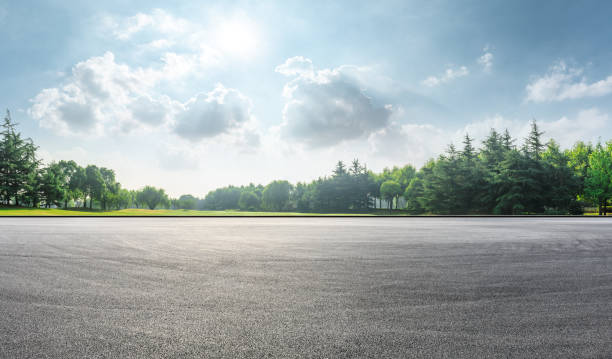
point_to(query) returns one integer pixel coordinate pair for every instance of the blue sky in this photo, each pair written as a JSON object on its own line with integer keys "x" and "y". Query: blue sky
{"x": 203, "y": 94}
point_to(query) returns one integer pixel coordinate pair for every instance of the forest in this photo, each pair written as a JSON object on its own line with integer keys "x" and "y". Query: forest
{"x": 500, "y": 176}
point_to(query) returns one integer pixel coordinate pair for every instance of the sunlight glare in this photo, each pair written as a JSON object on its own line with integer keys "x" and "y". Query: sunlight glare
{"x": 238, "y": 37}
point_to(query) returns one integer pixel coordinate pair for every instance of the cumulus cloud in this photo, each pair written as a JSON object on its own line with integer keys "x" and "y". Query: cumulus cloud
{"x": 100, "y": 92}
{"x": 220, "y": 111}
{"x": 563, "y": 83}
{"x": 448, "y": 75}
{"x": 329, "y": 106}
{"x": 486, "y": 60}
{"x": 102, "y": 95}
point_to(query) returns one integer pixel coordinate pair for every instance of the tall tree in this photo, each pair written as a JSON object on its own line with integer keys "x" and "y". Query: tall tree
{"x": 94, "y": 184}
{"x": 560, "y": 181}
{"x": 109, "y": 187}
{"x": 533, "y": 144}
{"x": 18, "y": 164}
{"x": 69, "y": 170}
{"x": 598, "y": 183}
{"x": 276, "y": 195}
{"x": 390, "y": 190}
{"x": 53, "y": 185}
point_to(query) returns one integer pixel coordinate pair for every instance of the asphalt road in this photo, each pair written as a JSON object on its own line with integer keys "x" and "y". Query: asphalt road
{"x": 305, "y": 287}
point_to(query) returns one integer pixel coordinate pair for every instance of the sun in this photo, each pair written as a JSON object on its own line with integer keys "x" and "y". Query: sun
{"x": 238, "y": 37}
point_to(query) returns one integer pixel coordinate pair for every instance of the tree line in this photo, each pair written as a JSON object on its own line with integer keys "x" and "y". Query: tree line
{"x": 498, "y": 177}
{"x": 25, "y": 182}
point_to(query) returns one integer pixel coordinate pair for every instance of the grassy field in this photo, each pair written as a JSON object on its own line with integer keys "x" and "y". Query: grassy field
{"x": 155, "y": 212}
{"x": 24, "y": 211}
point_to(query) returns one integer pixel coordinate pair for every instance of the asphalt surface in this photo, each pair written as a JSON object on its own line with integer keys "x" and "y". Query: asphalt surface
{"x": 305, "y": 287}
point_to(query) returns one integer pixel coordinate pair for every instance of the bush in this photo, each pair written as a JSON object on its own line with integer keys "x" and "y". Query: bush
{"x": 576, "y": 208}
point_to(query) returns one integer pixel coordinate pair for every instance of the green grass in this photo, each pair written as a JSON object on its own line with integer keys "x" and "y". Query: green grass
{"x": 43, "y": 212}
{"x": 147, "y": 212}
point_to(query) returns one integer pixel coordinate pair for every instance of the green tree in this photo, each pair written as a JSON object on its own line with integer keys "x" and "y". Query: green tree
{"x": 276, "y": 195}
{"x": 389, "y": 191}
{"x": 18, "y": 165}
{"x": 533, "y": 144}
{"x": 187, "y": 201}
{"x": 598, "y": 183}
{"x": 94, "y": 184}
{"x": 578, "y": 159}
{"x": 120, "y": 199}
{"x": 53, "y": 186}
{"x": 249, "y": 201}
{"x": 152, "y": 197}
{"x": 69, "y": 171}
{"x": 414, "y": 195}
{"x": 109, "y": 187}
{"x": 561, "y": 183}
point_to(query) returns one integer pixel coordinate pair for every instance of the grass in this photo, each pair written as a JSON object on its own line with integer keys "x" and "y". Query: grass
{"x": 22, "y": 211}
{"x": 44, "y": 212}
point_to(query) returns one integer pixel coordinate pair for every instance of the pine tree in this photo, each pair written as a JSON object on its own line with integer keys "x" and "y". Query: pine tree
{"x": 18, "y": 165}
{"x": 533, "y": 143}
{"x": 468, "y": 150}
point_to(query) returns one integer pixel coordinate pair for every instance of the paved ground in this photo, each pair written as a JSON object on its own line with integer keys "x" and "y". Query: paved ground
{"x": 305, "y": 287}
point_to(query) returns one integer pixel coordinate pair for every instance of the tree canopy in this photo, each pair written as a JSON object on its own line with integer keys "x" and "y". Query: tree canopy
{"x": 501, "y": 176}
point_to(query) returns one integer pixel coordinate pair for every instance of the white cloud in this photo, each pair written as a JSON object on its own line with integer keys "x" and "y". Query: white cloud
{"x": 563, "y": 83}
{"x": 329, "y": 106}
{"x": 102, "y": 96}
{"x": 296, "y": 66}
{"x": 587, "y": 125}
{"x": 221, "y": 111}
{"x": 448, "y": 75}
{"x": 486, "y": 60}
{"x": 101, "y": 93}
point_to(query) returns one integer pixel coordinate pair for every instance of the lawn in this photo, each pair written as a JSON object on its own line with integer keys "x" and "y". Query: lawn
{"x": 149, "y": 212}
{"x": 130, "y": 212}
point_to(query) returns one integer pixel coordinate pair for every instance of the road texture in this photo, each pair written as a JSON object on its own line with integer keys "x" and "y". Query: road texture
{"x": 305, "y": 287}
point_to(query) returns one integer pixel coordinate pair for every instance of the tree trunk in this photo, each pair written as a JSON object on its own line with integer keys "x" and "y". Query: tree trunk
{"x": 599, "y": 212}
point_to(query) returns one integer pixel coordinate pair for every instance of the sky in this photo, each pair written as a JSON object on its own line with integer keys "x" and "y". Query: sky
{"x": 190, "y": 96}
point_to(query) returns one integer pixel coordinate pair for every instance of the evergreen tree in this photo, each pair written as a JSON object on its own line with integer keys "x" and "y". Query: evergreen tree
{"x": 533, "y": 143}
{"x": 18, "y": 165}
{"x": 561, "y": 182}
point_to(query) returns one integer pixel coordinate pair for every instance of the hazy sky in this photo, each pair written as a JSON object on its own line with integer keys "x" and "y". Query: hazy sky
{"x": 204, "y": 94}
